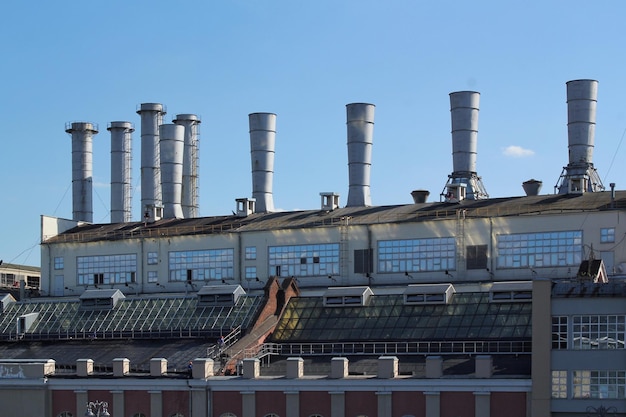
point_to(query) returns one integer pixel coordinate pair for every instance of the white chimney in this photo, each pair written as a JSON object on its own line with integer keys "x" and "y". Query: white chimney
{"x": 121, "y": 157}
{"x": 262, "y": 141}
{"x": 172, "y": 148}
{"x": 190, "y": 195}
{"x": 360, "y": 123}
{"x": 82, "y": 169}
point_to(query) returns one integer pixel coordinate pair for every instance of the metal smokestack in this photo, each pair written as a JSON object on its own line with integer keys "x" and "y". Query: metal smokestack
{"x": 262, "y": 141}
{"x": 579, "y": 175}
{"x": 151, "y": 117}
{"x": 360, "y": 123}
{"x": 464, "y": 183}
{"x": 190, "y": 195}
{"x": 121, "y": 157}
{"x": 82, "y": 169}
{"x": 172, "y": 148}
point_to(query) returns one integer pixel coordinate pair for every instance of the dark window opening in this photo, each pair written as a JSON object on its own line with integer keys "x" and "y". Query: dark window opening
{"x": 477, "y": 257}
{"x": 363, "y": 261}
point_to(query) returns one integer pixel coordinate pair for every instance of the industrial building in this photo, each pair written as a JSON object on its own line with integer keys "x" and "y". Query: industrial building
{"x": 466, "y": 306}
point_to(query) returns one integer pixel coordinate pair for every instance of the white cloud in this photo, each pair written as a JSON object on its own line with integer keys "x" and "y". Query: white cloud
{"x": 517, "y": 151}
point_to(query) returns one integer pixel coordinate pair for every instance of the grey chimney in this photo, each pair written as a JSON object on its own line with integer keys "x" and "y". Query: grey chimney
{"x": 151, "y": 117}
{"x": 580, "y": 176}
{"x": 172, "y": 149}
{"x": 121, "y": 157}
{"x": 82, "y": 169}
{"x": 190, "y": 192}
{"x": 464, "y": 182}
{"x": 360, "y": 124}
{"x": 262, "y": 142}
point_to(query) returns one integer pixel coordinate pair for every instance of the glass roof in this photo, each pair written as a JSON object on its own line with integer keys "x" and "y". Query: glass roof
{"x": 469, "y": 316}
{"x": 132, "y": 317}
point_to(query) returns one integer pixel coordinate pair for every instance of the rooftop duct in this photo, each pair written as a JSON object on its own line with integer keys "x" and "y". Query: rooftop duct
{"x": 464, "y": 183}
{"x": 82, "y": 169}
{"x": 262, "y": 142}
{"x": 151, "y": 117}
{"x": 532, "y": 187}
{"x": 420, "y": 196}
{"x": 189, "y": 201}
{"x": 172, "y": 149}
{"x": 121, "y": 158}
{"x": 360, "y": 123}
{"x": 580, "y": 176}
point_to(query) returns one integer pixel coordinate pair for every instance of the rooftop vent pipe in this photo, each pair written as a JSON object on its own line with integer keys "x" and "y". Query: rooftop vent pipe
{"x": 189, "y": 202}
{"x": 464, "y": 183}
{"x": 121, "y": 158}
{"x": 420, "y": 196}
{"x": 151, "y": 117}
{"x": 580, "y": 176}
{"x": 262, "y": 141}
{"x": 172, "y": 148}
{"x": 82, "y": 169}
{"x": 532, "y": 187}
{"x": 360, "y": 123}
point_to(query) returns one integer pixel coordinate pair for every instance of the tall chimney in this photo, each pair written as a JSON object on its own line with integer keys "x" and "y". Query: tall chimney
{"x": 121, "y": 157}
{"x": 172, "y": 148}
{"x": 82, "y": 169}
{"x": 190, "y": 195}
{"x": 360, "y": 123}
{"x": 151, "y": 117}
{"x": 579, "y": 175}
{"x": 464, "y": 183}
{"x": 262, "y": 141}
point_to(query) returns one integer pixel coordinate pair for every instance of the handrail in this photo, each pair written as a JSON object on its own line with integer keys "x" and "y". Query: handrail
{"x": 403, "y": 348}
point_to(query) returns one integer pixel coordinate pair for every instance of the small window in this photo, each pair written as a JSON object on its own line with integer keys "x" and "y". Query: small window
{"x": 58, "y": 262}
{"x": 250, "y": 272}
{"x": 250, "y": 253}
{"x": 153, "y": 258}
{"x": 559, "y": 384}
{"x": 153, "y": 276}
{"x": 65, "y": 414}
{"x": 607, "y": 235}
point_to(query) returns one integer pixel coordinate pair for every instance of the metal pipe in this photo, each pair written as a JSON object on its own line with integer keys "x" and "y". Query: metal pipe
{"x": 360, "y": 125}
{"x": 464, "y": 106}
{"x": 121, "y": 158}
{"x": 82, "y": 169}
{"x": 151, "y": 117}
{"x": 262, "y": 142}
{"x": 172, "y": 149}
{"x": 190, "y": 191}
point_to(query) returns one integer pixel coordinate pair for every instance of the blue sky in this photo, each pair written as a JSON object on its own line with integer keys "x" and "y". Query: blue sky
{"x": 98, "y": 60}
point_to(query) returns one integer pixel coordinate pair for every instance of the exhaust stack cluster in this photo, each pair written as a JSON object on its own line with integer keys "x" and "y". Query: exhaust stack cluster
{"x": 169, "y": 159}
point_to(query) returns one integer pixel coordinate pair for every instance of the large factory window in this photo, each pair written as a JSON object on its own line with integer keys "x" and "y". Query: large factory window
{"x": 106, "y": 269}
{"x": 549, "y": 249}
{"x": 304, "y": 260}
{"x": 201, "y": 265}
{"x": 417, "y": 255}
